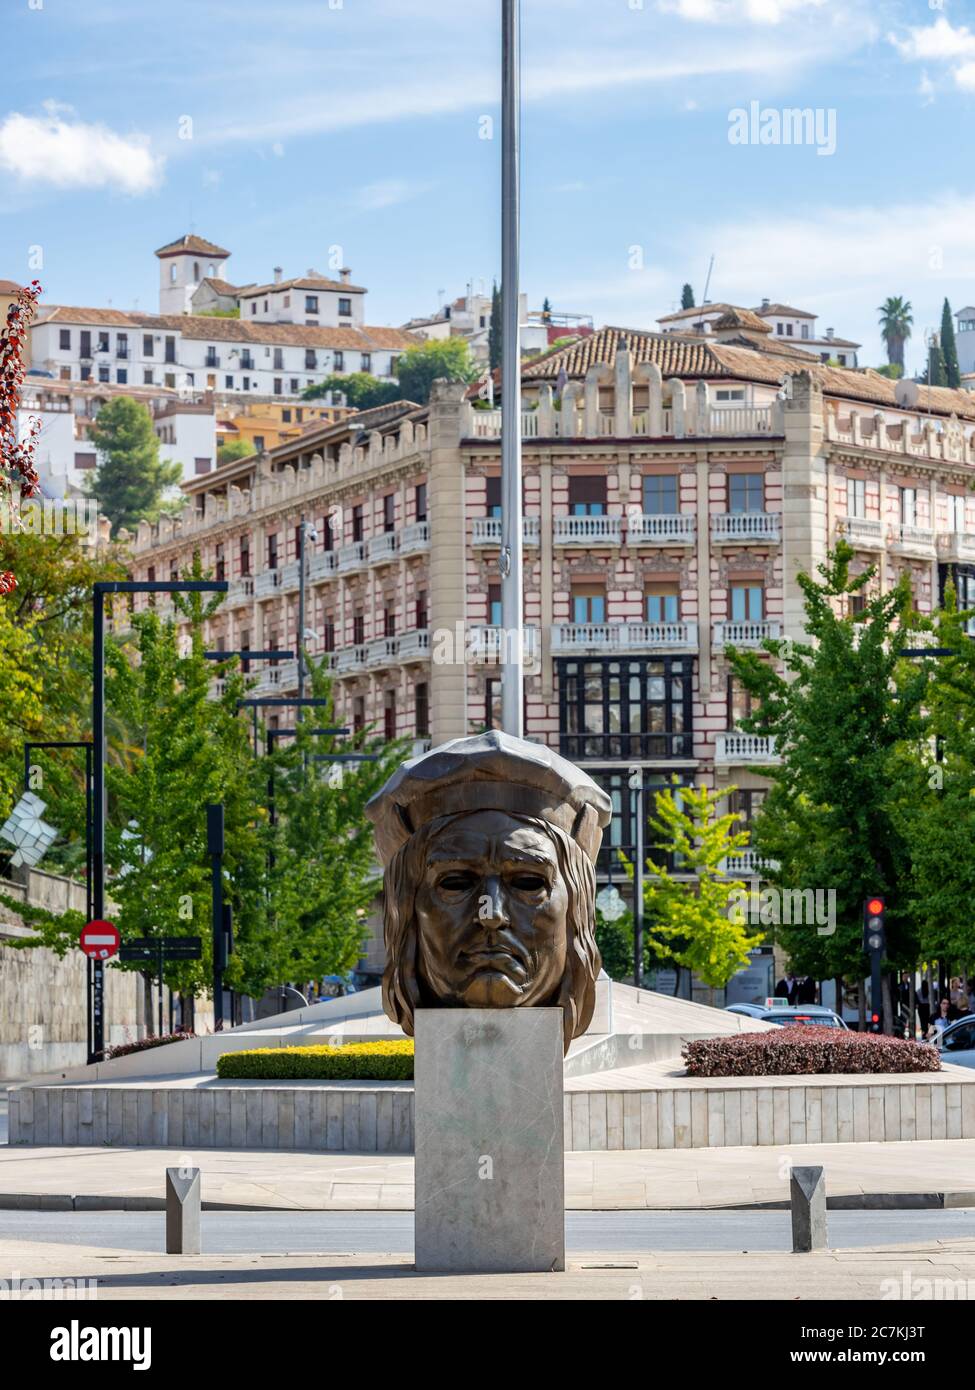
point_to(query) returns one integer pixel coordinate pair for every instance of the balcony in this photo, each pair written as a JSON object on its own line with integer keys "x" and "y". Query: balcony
{"x": 382, "y": 548}
{"x": 740, "y": 419}
{"x": 322, "y": 566}
{"x": 211, "y": 360}
{"x": 414, "y": 645}
{"x": 240, "y": 592}
{"x": 349, "y": 661}
{"x": 587, "y": 530}
{"x": 751, "y": 633}
{"x": 660, "y": 529}
{"x": 957, "y": 545}
{"x": 351, "y": 557}
{"x": 742, "y": 750}
{"x": 863, "y": 533}
{"x": 414, "y": 538}
{"x": 381, "y": 652}
{"x": 913, "y": 540}
{"x": 421, "y": 746}
{"x": 267, "y": 584}
{"x": 746, "y": 861}
{"x": 569, "y": 639}
{"x": 490, "y": 645}
{"x": 289, "y": 576}
{"x": 745, "y": 528}
{"x": 487, "y": 530}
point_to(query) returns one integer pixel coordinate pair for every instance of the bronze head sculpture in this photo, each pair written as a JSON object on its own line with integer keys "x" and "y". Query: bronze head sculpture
{"x": 489, "y": 846}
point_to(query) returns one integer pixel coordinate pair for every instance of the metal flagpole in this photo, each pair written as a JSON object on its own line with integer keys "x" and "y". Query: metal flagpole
{"x": 512, "y": 700}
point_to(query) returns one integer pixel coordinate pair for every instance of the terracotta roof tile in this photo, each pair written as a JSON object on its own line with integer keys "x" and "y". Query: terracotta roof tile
{"x": 222, "y": 330}
{"x": 740, "y": 318}
{"x": 306, "y": 282}
{"x": 784, "y": 309}
{"x": 192, "y": 243}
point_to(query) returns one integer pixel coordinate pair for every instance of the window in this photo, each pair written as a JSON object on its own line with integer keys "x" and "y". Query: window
{"x": 103, "y": 342}
{"x": 228, "y": 382}
{"x": 278, "y": 360}
{"x": 245, "y": 556}
{"x": 104, "y": 373}
{"x": 357, "y": 523}
{"x": 805, "y": 330}
{"x": 202, "y": 465}
{"x": 311, "y": 303}
{"x": 338, "y": 361}
{"x": 730, "y": 394}
{"x": 345, "y": 309}
{"x": 662, "y": 603}
{"x": 220, "y": 566}
{"x": 64, "y": 340}
{"x": 856, "y": 497}
{"x": 278, "y": 384}
{"x": 311, "y": 359}
{"x": 294, "y": 386}
{"x": 122, "y": 345}
{"x": 253, "y": 306}
{"x": 635, "y": 707}
{"x": 86, "y": 374}
{"x": 327, "y": 530}
{"x": 169, "y": 380}
{"x": 265, "y": 306}
{"x": 147, "y": 376}
{"x": 494, "y": 605}
{"x": 660, "y": 495}
{"x": 493, "y": 496}
{"x": 740, "y": 703}
{"x": 908, "y": 501}
{"x": 745, "y": 804}
{"x": 421, "y": 706}
{"x": 358, "y": 628}
{"x": 588, "y": 604}
{"x": 366, "y": 362}
{"x": 285, "y": 415}
{"x": 389, "y": 619}
{"x": 85, "y": 460}
{"x": 389, "y": 512}
{"x": 746, "y": 492}
{"x": 359, "y": 713}
{"x": 272, "y": 552}
{"x": 422, "y": 616}
{"x": 420, "y": 501}
{"x": 247, "y": 383}
{"x": 286, "y": 302}
{"x": 328, "y": 634}
{"x": 858, "y": 603}
{"x": 747, "y": 603}
{"x": 956, "y": 514}
{"x": 170, "y": 353}
{"x": 492, "y": 703}
{"x": 122, "y": 375}
{"x": 258, "y": 444}
{"x": 587, "y": 495}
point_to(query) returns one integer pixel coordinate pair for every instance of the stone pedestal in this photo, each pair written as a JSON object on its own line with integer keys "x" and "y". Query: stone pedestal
{"x": 490, "y": 1178}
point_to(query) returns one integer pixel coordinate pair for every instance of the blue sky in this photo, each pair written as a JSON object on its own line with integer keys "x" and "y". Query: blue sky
{"x": 356, "y": 123}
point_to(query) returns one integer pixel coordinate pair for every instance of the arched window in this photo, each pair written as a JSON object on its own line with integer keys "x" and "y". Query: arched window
{"x": 196, "y": 270}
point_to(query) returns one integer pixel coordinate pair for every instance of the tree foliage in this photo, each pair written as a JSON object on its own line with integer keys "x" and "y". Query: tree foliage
{"x": 419, "y": 367}
{"x": 949, "y": 348}
{"x": 687, "y": 297}
{"x": 362, "y": 390}
{"x": 130, "y": 480}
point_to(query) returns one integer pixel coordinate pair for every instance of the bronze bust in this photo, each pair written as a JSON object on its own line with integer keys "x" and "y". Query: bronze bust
{"x": 489, "y": 846}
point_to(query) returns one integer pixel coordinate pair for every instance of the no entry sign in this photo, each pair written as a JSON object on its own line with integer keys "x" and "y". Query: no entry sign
{"x": 99, "y": 940}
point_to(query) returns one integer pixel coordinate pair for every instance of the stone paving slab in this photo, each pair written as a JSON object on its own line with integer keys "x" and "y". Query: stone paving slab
{"x": 862, "y": 1275}
{"x": 923, "y": 1172}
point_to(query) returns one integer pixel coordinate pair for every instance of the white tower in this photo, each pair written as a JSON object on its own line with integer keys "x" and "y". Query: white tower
{"x": 182, "y": 265}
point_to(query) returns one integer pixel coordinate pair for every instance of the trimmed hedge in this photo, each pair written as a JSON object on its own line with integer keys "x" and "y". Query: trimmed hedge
{"x": 372, "y": 1061}
{"x": 801, "y": 1049}
{"x": 160, "y": 1040}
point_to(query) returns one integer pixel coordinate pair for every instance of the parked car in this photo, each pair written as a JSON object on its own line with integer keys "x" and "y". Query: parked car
{"x": 807, "y": 1014}
{"x": 957, "y": 1043}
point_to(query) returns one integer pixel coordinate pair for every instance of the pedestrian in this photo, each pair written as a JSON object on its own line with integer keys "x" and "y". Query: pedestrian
{"x": 942, "y": 1018}
{"x": 923, "y": 1001}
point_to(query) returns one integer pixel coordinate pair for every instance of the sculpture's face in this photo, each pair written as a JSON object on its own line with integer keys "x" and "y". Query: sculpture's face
{"x": 491, "y": 912}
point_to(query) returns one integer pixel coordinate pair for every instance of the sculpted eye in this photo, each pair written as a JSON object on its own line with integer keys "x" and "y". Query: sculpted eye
{"x": 529, "y": 883}
{"x": 457, "y": 881}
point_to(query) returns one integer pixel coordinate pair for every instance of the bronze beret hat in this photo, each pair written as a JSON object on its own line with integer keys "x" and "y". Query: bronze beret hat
{"x": 490, "y": 771}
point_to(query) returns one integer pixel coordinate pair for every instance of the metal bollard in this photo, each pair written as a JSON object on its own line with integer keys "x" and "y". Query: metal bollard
{"x": 808, "y": 1192}
{"x": 182, "y": 1211}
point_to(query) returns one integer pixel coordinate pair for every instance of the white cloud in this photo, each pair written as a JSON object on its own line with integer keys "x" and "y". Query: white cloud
{"x": 965, "y": 77}
{"x": 387, "y": 193}
{"x": 938, "y": 42}
{"x": 737, "y": 11}
{"x": 70, "y": 154}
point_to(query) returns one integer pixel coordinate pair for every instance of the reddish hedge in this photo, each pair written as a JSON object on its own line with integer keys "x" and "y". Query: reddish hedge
{"x": 157, "y": 1040}
{"x": 801, "y": 1049}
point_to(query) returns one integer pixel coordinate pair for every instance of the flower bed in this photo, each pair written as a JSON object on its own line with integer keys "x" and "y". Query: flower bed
{"x": 124, "y": 1049}
{"x": 800, "y": 1050}
{"x": 373, "y": 1061}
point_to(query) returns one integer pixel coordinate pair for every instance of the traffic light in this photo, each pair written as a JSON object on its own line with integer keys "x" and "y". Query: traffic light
{"x": 874, "y": 932}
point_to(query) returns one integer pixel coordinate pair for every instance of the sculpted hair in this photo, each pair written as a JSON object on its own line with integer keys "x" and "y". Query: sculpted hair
{"x": 577, "y": 991}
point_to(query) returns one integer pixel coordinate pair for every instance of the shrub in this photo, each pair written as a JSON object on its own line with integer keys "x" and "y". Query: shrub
{"x": 143, "y": 1044}
{"x": 372, "y": 1061}
{"x": 807, "y": 1050}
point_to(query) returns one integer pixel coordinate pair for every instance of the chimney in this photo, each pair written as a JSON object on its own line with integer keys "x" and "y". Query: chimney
{"x": 345, "y": 274}
{"x": 829, "y": 332}
{"x": 278, "y": 274}
{"x": 766, "y": 303}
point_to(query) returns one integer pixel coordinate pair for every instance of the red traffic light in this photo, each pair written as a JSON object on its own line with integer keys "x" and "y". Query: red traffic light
{"x": 875, "y": 906}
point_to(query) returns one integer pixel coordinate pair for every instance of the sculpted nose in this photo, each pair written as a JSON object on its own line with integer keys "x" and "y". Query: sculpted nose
{"x": 491, "y": 910}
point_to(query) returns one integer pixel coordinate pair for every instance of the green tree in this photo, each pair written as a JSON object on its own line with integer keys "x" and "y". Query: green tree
{"x": 936, "y": 373}
{"x": 131, "y": 479}
{"x": 841, "y": 716}
{"x": 546, "y": 310}
{"x": 691, "y": 922}
{"x": 419, "y": 367}
{"x": 494, "y": 330}
{"x": 896, "y": 321}
{"x": 362, "y": 390}
{"x": 687, "y": 297}
{"x": 891, "y": 370}
{"x": 235, "y": 449}
{"x": 949, "y": 349}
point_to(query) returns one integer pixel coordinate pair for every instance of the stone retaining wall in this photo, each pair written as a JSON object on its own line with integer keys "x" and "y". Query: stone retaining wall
{"x": 353, "y": 1118}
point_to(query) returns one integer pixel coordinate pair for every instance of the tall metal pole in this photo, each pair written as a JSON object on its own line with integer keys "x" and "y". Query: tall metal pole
{"x": 638, "y": 890}
{"x": 301, "y": 611}
{"x": 512, "y": 700}
{"x": 215, "y": 849}
{"x": 97, "y": 1044}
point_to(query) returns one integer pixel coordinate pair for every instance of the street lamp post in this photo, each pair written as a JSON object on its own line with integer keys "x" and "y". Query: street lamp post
{"x": 510, "y": 560}
{"x": 306, "y": 531}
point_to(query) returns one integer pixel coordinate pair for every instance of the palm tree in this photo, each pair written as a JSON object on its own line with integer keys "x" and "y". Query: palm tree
{"x": 895, "y": 327}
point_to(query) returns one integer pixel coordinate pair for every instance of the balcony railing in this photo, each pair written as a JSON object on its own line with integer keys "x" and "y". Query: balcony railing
{"x": 749, "y": 633}
{"x": 739, "y": 750}
{"x": 741, "y": 419}
{"x": 570, "y": 638}
{"x": 381, "y": 652}
{"x": 651, "y": 528}
{"x": 957, "y": 545}
{"x": 289, "y": 576}
{"x": 268, "y": 582}
{"x": 382, "y": 548}
{"x": 322, "y": 566}
{"x": 414, "y": 645}
{"x": 914, "y": 540}
{"x": 241, "y": 591}
{"x": 491, "y": 644}
{"x": 350, "y": 557}
{"x": 487, "y": 530}
{"x": 746, "y": 861}
{"x": 414, "y": 538}
{"x": 738, "y": 528}
{"x": 587, "y": 530}
{"x": 862, "y": 531}
{"x": 349, "y": 659}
